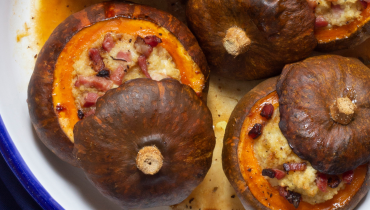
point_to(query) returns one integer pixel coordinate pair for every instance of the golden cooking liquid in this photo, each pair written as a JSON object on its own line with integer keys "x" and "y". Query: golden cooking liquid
{"x": 47, "y": 15}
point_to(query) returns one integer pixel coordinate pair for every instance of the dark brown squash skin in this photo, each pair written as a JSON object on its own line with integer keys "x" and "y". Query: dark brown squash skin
{"x": 40, "y": 104}
{"x": 231, "y": 141}
{"x": 281, "y": 32}
{"x": 140, "y": 113}
{"x": 306, "y": 91}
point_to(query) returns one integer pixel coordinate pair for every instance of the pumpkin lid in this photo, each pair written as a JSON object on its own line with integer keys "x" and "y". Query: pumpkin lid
{"x": 324, "y": 108}
{"x": 148, "y": 144}
{"x": 252, "y": 39}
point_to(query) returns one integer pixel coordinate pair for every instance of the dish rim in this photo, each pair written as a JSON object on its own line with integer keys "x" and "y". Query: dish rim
{"x": 24, "y": 175}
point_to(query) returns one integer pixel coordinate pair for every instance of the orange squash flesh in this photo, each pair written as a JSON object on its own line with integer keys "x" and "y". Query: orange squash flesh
{"x": 261, "y": 188}
{"x": 340, "y": 32}
{"x": 62, "y": 87}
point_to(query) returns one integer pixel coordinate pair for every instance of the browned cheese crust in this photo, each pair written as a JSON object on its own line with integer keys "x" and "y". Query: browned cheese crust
{"x": 306, "y": 92}
{"x": 40, "y": 104}
{"x": 230, "y": 162}
{"x": 139, "y": 113}
{"x": 280, "y": 32}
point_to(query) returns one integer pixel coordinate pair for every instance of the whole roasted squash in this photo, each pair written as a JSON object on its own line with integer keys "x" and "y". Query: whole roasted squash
{"x": 99, "y": 48}
{"x": 148, "y": 144}
{"x": 260, "y": 156}
{"x": 252, "y": 39}
{"x": 325, "y": 112}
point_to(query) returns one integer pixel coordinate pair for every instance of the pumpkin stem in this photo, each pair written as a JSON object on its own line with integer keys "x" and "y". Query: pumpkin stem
{"x": 342, "y": 110}
{"x": 236, "y": 41}
{"x": 149, "y": 160}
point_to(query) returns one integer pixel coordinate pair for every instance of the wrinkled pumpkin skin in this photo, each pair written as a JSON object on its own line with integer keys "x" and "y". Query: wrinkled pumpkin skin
{"x": 231, "y": 141}
{"x": 281, "y": 32}
{"x": 140, "y": 113}
{"x": 40, "y": 104}
{"x": 309, "y": 88}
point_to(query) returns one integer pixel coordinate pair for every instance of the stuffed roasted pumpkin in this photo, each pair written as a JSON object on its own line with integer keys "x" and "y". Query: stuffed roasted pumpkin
{"x": 262, "y": 158}
{"x": 100, "y": 48}
{"x": 148, "y": 144}
{"x": 254, "y": 39}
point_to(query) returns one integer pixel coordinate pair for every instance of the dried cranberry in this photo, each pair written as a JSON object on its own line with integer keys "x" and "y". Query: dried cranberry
{"x": 60, "y": 108}
{"x": 348, "y": 177}
{"x": 322, "y": 182}
{"x": 267, "y": 111}
{"x": 103, "y": 73}
{"x": 273, "y": 173}
{"x": 295, "y": 166}
{"x": 363, "y": 4}
{"x": 97, "y": 60}
{"x": 292, "y": 197}
{"x": 80, "y": 114}
{"x": 334, "y": 181}
{"x": 256, "y": 131}
{"x": 268, "y": 172}
{"x": 108, "y": 42}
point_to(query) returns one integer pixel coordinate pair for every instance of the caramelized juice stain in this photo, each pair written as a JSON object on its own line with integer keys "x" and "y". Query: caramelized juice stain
{"x": 49, "y": 14}
{"x": 23, "y": 33}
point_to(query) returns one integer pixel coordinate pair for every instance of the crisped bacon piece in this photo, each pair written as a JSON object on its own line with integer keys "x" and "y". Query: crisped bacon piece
{"x": 292, "y": 197}
{"x": 256, "y": 131}
{"x": 124, "y": 55}
{"x": 97, "y": 60}
{"x": 273, "y": 173}
{"x": 108, "y": 42}
{"x": 143, "y": 66}
{"x": 118, "y": 75}
{"x": 348, "y": 177}
{"x": 279, "y": 174}
{"x": 295, "y": 166}
{"x": 95, "y": 82}
{"x": 321, "y": 22}
{"x": 90, "y": 99}
{"x": 322, "y": 182}
{"x": 283, "y": 192}
{"x": 334, "y": 181}
{"x": 142, "y": 48}
{"x": 267, "y": 111}
{"x": 336, "y": 10}
{"x": 152, "y": 40}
